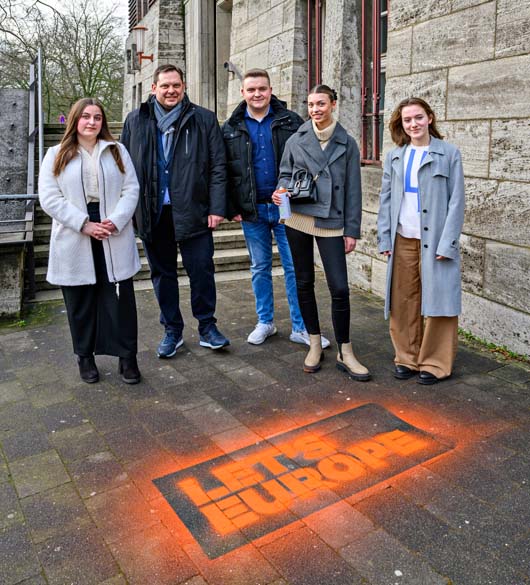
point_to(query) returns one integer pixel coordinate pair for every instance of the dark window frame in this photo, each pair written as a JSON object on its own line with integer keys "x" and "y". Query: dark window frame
{"x": 314, "y": 32}
{"x": 374, "y": 17}
{"x": 137, "y": 11}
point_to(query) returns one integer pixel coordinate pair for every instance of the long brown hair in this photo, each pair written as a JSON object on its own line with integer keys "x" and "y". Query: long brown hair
{"x": 399, "y": 136}
{"x": 68, "y": 148}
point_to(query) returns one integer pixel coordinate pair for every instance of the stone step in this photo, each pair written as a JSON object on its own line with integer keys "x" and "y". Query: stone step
{"x": 230, "y": 258}
{"x": 59, "y": 128}
{"x": 224, "y": 260}
{"x": 42, "y": 230}
{"x": 53, "y": 133}
{"x": 42, "y": 218}
{"x": 54, "y": 294}
{"x": 224, "y": 239}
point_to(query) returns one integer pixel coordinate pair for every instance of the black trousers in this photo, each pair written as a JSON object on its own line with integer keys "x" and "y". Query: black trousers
{"x": 100, "y": 322}
{"x": 334, "y": 262}
{"x": 197, "y": 259}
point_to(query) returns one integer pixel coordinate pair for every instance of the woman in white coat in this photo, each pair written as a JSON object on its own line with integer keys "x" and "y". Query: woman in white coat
{"x": 419, "y": 226}
{"x": 88, "y": 185}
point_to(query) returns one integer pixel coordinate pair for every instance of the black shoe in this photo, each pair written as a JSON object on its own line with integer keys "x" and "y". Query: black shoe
{"x": 128, "y": 369}
{"x": 404, "y": 373}
{"x": 428, "y": 379}
{"x": 88, "y": 369}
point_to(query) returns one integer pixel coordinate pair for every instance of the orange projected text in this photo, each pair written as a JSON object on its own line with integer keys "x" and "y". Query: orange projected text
{"x": 258, "y": 489}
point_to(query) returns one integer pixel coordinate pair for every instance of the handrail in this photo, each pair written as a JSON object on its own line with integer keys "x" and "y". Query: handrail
{"x": 19, "y": 197}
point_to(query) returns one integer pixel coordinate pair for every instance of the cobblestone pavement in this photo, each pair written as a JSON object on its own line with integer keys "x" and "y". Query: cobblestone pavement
{"x": 236, "y": 468}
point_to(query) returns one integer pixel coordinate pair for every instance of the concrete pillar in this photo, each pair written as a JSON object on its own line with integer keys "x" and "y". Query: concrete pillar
{"x": 342, "y": 60}
{"x": 14, "y": 105}
{"x": 223, "y": 26}
{"x": 200, "y": 52}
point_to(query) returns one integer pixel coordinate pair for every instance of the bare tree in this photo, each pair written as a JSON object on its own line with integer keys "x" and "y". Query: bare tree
{"x": 82, "y": 53}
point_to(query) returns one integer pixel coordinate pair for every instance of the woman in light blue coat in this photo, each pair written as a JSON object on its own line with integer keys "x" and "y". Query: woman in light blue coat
{"x": 419, "y": 225}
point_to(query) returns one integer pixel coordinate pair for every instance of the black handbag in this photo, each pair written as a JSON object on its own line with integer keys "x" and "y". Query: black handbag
{"x": 302, "y": 187}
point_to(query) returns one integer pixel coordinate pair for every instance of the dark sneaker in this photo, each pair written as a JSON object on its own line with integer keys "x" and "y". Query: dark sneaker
{"x": 169, "y": 345}
{"x": 213, "y": 339}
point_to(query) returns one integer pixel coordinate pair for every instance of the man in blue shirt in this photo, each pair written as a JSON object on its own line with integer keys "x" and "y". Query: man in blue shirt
{"x": 255, "y": 137}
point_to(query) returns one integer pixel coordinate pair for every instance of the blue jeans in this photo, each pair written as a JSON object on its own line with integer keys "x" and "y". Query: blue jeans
{"x": 258, "y": 236}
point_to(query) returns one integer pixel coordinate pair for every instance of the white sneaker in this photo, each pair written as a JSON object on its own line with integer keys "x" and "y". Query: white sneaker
{"x": 303, "y": 337}
{"x": 261, "y": 332}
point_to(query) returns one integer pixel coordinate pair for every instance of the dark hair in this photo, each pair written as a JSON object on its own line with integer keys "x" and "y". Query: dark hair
{"x": 166, "y": 69}
{"x": 256, "y": 73}
{"x": 399, "y": 136}
{"x": 69, "y": 144}
{"x": 321, "y": 88}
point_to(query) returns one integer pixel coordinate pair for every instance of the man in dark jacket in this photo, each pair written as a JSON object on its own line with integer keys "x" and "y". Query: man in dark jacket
{"x": 178, "y": 152}
{"x": 255, "y": 136}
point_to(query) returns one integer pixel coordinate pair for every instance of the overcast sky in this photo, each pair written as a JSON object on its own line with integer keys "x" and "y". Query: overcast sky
{"x": 121, "y": 8}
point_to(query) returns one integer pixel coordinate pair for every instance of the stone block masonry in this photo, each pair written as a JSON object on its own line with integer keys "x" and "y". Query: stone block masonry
{"x": 165, "y": 41}
{"x": 471, "y": 61}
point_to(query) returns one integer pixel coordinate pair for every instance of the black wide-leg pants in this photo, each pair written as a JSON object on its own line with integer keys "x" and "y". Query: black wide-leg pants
{"x": 101, "y": 322}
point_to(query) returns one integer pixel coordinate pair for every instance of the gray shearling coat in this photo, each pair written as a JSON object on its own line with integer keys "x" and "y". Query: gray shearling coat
{"x": 338, "y": 186}
{"x": 441, "y": 192}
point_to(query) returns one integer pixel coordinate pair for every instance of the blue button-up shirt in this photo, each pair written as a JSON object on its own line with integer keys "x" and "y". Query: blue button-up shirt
{"x": 262, "y": 155}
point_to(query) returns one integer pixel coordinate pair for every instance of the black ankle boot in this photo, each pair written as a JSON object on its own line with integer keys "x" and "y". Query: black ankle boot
{"x": 128, "y": 369}
{"x": 88, "y": 369}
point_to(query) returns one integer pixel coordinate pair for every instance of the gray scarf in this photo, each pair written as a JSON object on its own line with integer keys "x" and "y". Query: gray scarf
{"x": 166, "y": 124}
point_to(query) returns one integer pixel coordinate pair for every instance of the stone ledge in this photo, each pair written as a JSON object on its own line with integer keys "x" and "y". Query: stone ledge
{"x": 496, "y": 323}
{"x": 11, "y": 279}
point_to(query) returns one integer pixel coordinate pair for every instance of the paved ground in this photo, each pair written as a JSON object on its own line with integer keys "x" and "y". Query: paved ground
{"x": 237, "y": 468}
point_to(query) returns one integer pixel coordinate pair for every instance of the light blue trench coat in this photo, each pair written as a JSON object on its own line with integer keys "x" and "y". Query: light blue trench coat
{"x": 441, "y": 192}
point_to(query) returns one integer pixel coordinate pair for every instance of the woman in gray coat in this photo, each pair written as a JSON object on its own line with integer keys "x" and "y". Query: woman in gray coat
{"x": 324, "y": 149}
{"x": 419, "y": 225}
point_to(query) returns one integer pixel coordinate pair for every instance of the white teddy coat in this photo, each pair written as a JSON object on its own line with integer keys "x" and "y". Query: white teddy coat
{"x": 63, "y": 198}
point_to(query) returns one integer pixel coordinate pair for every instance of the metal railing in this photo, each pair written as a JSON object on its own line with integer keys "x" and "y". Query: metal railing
{"x": 36, "y": 119}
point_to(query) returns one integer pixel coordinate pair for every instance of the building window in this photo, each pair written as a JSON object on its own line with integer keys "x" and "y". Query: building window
{"x": 133, "y": 101}
{"x": 315, "y": 27}
{"x": 374, "y": 44}
{"x": 139, "y": 96}
{"x": 137, "y": 10}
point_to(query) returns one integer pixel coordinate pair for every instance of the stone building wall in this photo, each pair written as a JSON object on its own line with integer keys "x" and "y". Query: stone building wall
{"x": 270, "y": 34}
{"x": 164, "y": 39}
{"x": 471, "y": 61}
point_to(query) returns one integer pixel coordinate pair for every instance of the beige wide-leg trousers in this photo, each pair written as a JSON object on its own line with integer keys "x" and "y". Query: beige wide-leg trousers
{"x": 428, "y": 344}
